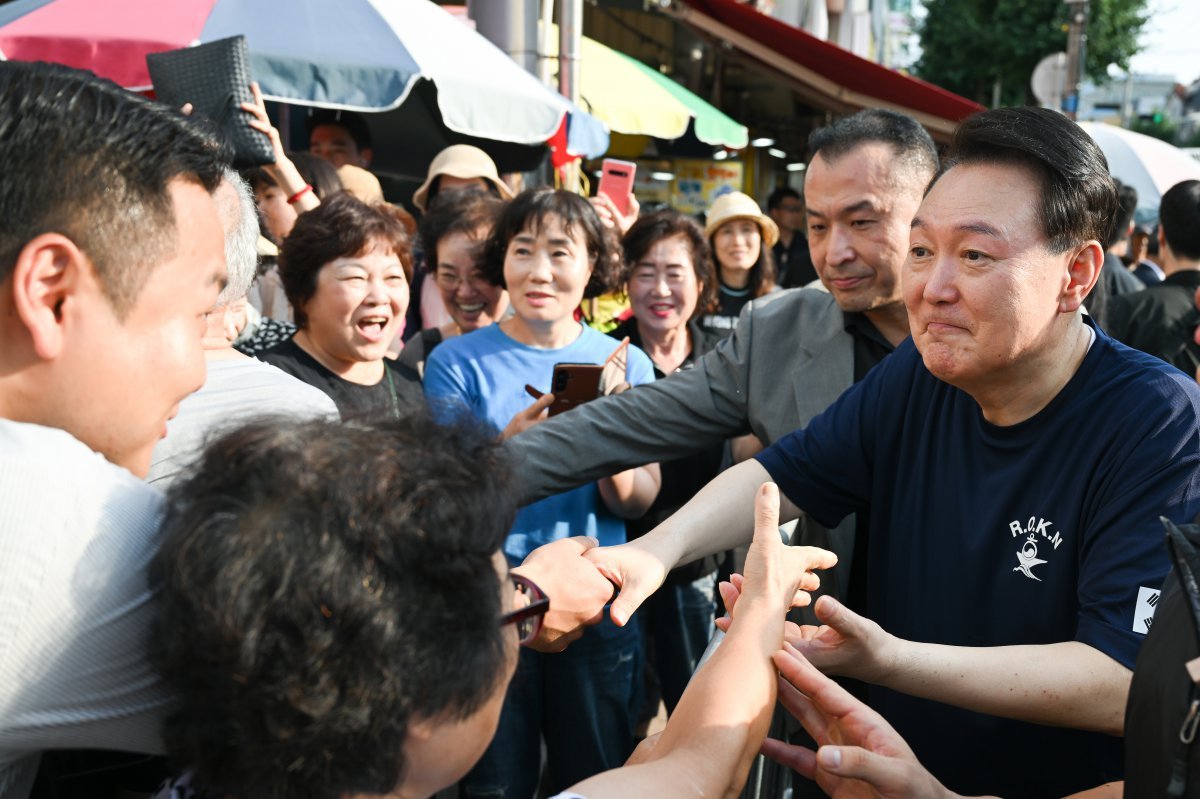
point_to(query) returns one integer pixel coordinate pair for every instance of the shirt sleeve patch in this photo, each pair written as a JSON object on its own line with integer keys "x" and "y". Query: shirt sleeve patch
{"x": 1143, "y": 615}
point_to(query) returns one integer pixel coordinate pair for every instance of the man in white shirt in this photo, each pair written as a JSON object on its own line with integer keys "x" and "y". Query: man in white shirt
{"x": 110, "y": 257}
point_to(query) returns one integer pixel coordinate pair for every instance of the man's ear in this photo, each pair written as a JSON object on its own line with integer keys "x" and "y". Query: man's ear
{"x": 48, "y": 271}
{"x": 1082, "y": 273}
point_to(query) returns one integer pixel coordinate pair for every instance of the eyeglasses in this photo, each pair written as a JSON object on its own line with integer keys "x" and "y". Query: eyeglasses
{"x": 451, "y": 281}
{"x": 529, "y": 617}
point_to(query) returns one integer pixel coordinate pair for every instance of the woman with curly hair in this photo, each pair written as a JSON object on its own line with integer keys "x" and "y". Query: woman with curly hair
{"x": 550, "y": 250}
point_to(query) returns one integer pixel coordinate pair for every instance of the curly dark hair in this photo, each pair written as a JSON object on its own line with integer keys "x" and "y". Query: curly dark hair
{"x": 324, "y": 584}
{"x": 529, "y": 210}
{"x": 653, "y": 228}
{"x": 339, "y": 227}
{"x": 456, "y": 212}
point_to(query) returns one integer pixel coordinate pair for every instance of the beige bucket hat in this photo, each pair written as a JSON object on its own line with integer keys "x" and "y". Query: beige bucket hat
{"x": 462, "y": 161}
{"x": 736, "y": 205}
{"x": 361, "y": 183}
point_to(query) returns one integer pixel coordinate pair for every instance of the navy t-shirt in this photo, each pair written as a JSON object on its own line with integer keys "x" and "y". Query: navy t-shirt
{"x": 1036, "y": 533}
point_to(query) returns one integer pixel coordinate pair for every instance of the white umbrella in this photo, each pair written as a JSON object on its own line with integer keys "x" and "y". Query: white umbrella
{"x": 1148, "y": 164}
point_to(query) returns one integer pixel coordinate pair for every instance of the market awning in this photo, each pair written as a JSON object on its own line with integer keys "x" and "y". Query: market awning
{"x": 822, "y": 73}
{"x": 632, "y": 98}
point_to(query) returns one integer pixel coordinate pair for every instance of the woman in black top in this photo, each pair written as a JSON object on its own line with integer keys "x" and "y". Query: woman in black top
{"x": 345, "y": 269}
{"x": 671, "y": 283}
{"x": 741, "y": 236}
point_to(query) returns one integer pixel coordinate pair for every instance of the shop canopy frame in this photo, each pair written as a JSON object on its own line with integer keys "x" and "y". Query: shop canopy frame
{"x": 822, "y": 73}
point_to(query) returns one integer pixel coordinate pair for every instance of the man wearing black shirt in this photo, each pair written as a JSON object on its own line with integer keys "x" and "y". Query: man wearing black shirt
{"x": 1160, "y": 320}
{"x": 792, "y": 261}
{"x": 792, "y": 353}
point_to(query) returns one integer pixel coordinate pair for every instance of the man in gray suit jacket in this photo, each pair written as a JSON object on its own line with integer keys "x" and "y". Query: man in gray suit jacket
{"x": 792, "y": 353}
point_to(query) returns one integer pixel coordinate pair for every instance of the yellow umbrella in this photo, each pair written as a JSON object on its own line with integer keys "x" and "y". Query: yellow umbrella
{"x": 632, "y": 98}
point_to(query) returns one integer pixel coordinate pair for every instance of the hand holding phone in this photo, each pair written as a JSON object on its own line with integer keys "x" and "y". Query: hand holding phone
{"x": 616, "y": 182}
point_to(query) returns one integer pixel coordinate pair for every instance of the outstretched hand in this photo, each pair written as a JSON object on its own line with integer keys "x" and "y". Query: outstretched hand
{"x": 846, "y": 643}
{"x": 611, "y": 216}
{"x": 577, "y": 591}
{"x": 859, "y": 754}
{"x": 636, "y": 569}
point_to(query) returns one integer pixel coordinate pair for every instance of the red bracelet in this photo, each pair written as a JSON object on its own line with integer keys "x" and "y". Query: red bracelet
{"x": 307, "y": 188}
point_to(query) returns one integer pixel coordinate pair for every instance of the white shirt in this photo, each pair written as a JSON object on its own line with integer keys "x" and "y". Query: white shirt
{"x": 77, "y": 535}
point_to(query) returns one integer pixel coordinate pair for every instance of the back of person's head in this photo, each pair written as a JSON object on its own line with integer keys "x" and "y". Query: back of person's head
{"x": 1179, "y": 216}
{"x": 84, "y": 158}
{"x": 776, "y": 198}
{"x": 530, "y": 210}
{"x": 239, "y": 219}
{"x": 326, "y": 585}
{"x": 350, "y": 121}
{"x": 652, "y": 228}
{"x": 1076, "y": 201}
{"x": 913, "y": 146}
{"x": 1127, "y": 198}
{"x": 464, "y": 212}
{"x": 340, "y": 227}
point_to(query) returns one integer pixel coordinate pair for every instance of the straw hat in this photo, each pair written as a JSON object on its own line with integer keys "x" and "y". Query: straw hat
{"x": 736, "y": 205}
{"x": 361, "y": 183}
{"x": 462, "y": 161}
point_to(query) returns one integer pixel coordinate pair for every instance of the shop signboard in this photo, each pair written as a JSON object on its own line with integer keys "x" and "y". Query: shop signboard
{"x": 698, "y": 183}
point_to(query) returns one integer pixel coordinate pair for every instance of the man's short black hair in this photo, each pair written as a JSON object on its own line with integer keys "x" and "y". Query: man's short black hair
{"x": 1077, "y": 200}
{"x": 82, "y": 157}
{"x": 912, "y": 144}
{"x": 323, "y": 586}
{"x": 1127, "y": 198}
{"x": 1179, "y": 215}
{"x": 780, "y": 194}
{"x": 351, "y": 121}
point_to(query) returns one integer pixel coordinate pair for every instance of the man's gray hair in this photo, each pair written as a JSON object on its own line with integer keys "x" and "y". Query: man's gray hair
{"x": 241, "y": 236}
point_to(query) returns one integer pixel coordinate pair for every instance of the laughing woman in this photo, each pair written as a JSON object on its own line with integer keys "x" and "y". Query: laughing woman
{"x": 345, "y": 269}
{"x": 550, "y": 250}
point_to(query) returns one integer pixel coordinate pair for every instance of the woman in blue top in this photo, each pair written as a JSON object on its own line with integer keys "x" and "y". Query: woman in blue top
{"x": 550, "y": 250}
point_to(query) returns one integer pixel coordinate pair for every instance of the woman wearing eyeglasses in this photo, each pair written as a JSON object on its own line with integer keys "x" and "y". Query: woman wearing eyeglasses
{"x": 452, "y": 234}
{"x": 550, "y": 250}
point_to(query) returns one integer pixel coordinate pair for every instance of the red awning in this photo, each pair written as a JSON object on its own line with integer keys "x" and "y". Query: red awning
{"x": 823, "y": 73}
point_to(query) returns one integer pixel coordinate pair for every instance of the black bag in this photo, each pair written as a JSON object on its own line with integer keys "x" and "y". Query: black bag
{"x": 215, "y": 79}
{"x": 1162, "y": 758}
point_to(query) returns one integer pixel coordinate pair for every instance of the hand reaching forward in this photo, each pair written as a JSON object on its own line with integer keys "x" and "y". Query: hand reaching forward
{"x": 859, "y": 755}
{"x": 577, "y": 591}
{"x": 774, "y": 570}
{"x": 846, "y": 643}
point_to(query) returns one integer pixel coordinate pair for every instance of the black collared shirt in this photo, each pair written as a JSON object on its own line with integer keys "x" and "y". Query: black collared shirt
{"x": 870, "y": 347}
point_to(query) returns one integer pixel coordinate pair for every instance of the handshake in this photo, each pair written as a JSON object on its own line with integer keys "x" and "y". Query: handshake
{"x": 581, "y": 578}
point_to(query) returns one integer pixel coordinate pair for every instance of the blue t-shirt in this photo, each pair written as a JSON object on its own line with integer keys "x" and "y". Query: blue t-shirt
{"x": 485, "y": 371}
{"x": 1036, "y": 533}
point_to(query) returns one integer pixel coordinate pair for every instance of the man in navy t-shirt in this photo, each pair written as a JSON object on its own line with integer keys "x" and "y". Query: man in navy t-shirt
{"x": 1015, "y": 461}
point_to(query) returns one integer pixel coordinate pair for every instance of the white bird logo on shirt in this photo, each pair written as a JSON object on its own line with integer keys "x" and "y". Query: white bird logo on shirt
{"x": 1027, "y": 558}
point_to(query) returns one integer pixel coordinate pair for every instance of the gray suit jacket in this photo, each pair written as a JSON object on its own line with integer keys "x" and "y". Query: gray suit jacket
{"x": 789, "y": 359}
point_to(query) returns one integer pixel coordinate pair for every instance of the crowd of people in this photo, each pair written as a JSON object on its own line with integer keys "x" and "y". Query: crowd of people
{"x": 288, "y": 502}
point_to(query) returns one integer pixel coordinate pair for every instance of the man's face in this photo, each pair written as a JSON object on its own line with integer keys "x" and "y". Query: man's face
{"x": 981, "y": 287}
{"x": 335, "y": 144}
{"x": 859, "y": 208}
{"x": 133, "y": 373}
{"x": 789, "y": 214}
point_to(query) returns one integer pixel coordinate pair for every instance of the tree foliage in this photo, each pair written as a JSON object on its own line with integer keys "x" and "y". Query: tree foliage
{"x": 968, "y": 45}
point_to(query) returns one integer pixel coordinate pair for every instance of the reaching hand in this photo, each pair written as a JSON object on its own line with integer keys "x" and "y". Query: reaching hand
{"x": 577, "y": 591}
{"x": 529, "y": 417}
{"x": 634, "y": 568}
{"x": 611, "y": 216}
{"x": 860, "y": 755}
{"x": 847, "y": 643}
